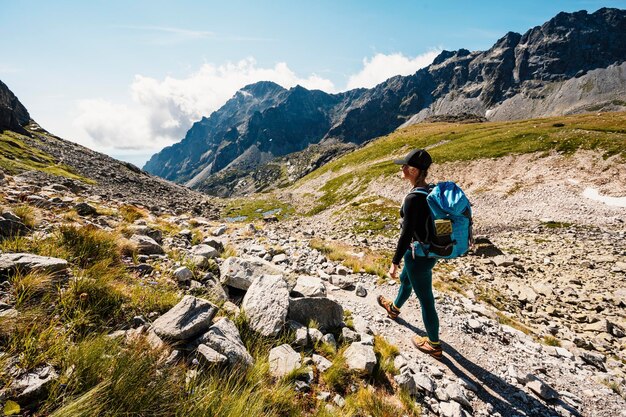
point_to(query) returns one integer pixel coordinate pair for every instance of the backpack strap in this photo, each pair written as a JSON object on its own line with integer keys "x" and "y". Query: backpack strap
{"x": 423, "y": 191}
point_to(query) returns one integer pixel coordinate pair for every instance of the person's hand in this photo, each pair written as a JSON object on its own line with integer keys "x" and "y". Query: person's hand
{"x": 393, "y": 271}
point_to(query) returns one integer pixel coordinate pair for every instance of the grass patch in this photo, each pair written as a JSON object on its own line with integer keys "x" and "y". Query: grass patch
{"x": 448, "y": 142}
{"x": 130, "y": 214}
{"x": 17, "y": 156}
{"x": 85, "y": 246}
{"x": 370, "y": 402}
{"x": 338, "y": 377}
{"x": 27, "y": 214}
{"x": 550, "y": 340}
{"x": 557, "y": 225}
{"x": 386, "y": 353}
{"x": 508, "y": 321}
{"x": 256, "y": 208}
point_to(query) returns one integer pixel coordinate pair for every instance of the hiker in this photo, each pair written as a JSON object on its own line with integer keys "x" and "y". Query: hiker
{"x": 417, "y": 271}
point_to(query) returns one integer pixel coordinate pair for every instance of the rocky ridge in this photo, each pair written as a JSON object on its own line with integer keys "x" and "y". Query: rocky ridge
{"x": 552, "y": 69}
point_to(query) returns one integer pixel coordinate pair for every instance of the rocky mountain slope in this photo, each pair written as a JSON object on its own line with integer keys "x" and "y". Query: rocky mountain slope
{"x": 552, "y": 69}
{"x": 30, "y": 151}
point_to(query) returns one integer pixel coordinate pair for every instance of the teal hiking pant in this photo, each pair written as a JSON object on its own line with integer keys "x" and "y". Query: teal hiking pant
{"x": 417, "y": 274}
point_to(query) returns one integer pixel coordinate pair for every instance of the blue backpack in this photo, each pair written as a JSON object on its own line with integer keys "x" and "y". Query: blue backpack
{"x": 451, "y": 221}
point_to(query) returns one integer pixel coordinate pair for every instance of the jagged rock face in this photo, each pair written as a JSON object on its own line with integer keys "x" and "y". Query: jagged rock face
{"x": 263, "y": 120}
{"x": 13, "y": 115}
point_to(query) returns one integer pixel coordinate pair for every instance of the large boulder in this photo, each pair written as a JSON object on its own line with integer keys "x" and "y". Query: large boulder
{"x": 187, "y": 319}
{"x": 224, "y": 338}
{"x": 146, "y": 245}
{"x": 240, "y": 272}
{"x": 360, "y": 357}
{"x": 283, "y": 360}
{"x": 11, "y": 228}
{"x": 266, "y": 304}
{"x": 307, "y": 286}
{"x": 27, "y": 262}
{"x": 327, "y": 313}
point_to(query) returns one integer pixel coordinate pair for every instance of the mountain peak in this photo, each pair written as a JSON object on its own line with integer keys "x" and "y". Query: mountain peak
{"x": 13, "y": 114}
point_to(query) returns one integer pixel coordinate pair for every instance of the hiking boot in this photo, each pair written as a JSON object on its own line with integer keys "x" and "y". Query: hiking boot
{"x": 426, "y": 346}
{"x": 392, "y": 311}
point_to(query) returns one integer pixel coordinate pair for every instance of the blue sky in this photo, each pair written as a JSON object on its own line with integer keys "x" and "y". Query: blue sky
{"x": 128, "y": 77}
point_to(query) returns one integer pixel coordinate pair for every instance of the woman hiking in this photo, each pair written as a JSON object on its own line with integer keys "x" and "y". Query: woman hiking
{"x": 417, "y": 271}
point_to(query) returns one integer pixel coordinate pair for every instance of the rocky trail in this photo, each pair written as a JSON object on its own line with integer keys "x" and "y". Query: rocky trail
{"x": 532, "y": 320}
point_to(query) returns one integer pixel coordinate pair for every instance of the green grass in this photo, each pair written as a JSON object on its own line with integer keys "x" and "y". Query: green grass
{"x": 16, "y": 156}
{"x": 88, "y": 245}
{"x": 386, "y": 353}
{"x": 253, "y": 208}
{"x": 130, "y": 214}
{"x": 551, "y": 341}
{"x": 27, "y": 213}
{"x": 350, "y": 175}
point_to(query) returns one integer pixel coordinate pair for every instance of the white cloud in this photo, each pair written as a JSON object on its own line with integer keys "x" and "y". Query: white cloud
{"x": 161, "y": 111}
{"x": 381, "y": 67}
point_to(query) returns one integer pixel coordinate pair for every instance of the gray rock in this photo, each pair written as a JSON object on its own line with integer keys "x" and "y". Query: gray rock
{"x": 283, "y": 360}
{"x": 349, "y": 336}
{"x": 213, "y": 288}
{"x": 339, "y": 400}
{"x": 224, "y": 338}
{"x": 360, "y": 357}
{"x": 210, "y": 356}
{"x": 301, "y": 337}
{"x": 424, "y": 382}
{"x": 266, "y": 304}
{"x": 146, "y": 245}
{"x": 9, "y": 313}
{"x": 219, "y": 231}
{"x": 407, "y": 382}
{"x": 344, "y": 282}
{"x": 594, "y": 359}
{"x": 361, "y": 291}
{"x": 33, "y": 385}
{"x": 218, "y": 245}
{"x": 455, "y": 393}
{"x": 27, "y": 262}
{"x": 9, "y": 215}
{"x": 329, "y": 339}
{"x": 321, "y": 363}
{"x": 187, "y": 319}
{"x": 200, "y": 255}
{"x": 451, "y": 409}
{"x": 240, "y": 272}
{"x": 327, "y": 313}
{"x": 400, "y": 362}
{"x": 315, "y": 335}
{"x": 183, "y": 274}
{"x": 84, "y": 209}
{"x": 280, "y": 258}
{"x": 543, "y": 390}
{"x": 11, "y": 228}
{"x": 307, "y": 286}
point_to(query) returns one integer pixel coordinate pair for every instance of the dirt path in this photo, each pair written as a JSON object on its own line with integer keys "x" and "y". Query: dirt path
{"x": 493, "y": 357}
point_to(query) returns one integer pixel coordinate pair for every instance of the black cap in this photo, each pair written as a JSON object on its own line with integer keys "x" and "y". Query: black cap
{"x": 417, "y": 158}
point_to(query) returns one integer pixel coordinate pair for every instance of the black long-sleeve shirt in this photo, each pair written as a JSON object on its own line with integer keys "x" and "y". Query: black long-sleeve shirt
{"x": 415, "y": 224}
